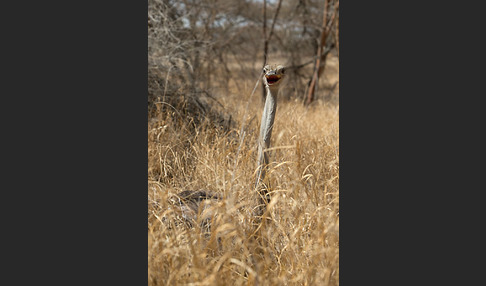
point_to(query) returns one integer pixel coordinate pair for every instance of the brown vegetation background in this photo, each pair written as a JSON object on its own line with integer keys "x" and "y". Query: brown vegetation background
{"x": 205, "y": 103}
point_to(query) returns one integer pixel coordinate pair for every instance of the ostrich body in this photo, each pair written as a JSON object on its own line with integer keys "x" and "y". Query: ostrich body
{"x": 191, "y": 201}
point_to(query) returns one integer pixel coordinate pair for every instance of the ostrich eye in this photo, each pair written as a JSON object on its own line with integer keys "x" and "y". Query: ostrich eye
{"x": 282, "y": 70}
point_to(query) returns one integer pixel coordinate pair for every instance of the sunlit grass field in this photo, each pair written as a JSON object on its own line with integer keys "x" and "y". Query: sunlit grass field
{"x": 297, "y": 242}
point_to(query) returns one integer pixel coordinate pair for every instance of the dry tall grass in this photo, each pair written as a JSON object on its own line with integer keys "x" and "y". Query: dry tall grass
{"x": 298, "y": 241}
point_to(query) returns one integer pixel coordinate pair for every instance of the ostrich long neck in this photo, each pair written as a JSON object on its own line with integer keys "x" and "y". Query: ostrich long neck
{"x": 268, "y": 117}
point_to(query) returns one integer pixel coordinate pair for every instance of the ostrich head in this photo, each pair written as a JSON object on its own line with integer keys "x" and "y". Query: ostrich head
{"x": 273, "y": 75}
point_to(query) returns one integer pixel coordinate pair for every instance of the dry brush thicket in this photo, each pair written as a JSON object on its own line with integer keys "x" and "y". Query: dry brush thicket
{"x": 204, "y": 63}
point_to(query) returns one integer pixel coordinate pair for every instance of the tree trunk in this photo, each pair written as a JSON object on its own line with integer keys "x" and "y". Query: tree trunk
{"x": 320, "y": 58}
{"x": 321, "y": 52}
{"x": 265, "y": 45}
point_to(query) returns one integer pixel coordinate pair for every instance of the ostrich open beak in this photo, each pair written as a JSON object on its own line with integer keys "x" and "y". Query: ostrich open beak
{"x": 272, "y": 79}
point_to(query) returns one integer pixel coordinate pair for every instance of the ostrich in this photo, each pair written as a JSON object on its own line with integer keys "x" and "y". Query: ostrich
{"x": 190, "y": 202}
{"x": 272, "y": 78}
